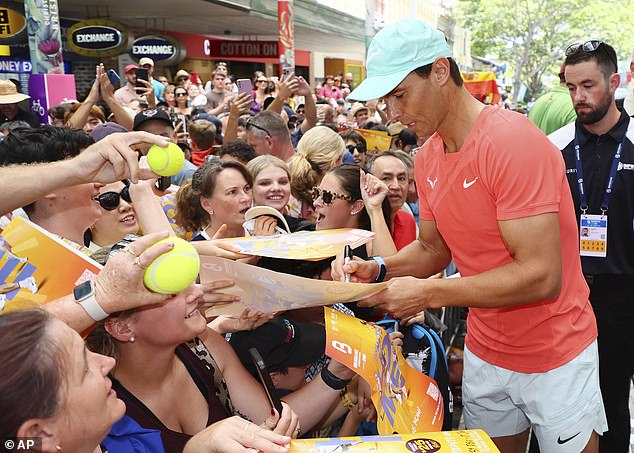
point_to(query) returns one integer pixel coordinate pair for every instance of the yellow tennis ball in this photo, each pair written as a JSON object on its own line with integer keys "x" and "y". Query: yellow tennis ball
{"x": 175, "y": 270}
{"x": 166, "y": 161}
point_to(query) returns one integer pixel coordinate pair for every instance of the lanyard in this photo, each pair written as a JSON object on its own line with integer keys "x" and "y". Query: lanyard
{"x": 611, "y": 178}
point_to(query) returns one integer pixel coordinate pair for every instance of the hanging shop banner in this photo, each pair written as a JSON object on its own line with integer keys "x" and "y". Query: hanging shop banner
{"x": 98, "y": 38}
{"x": 45, "y": 42}
{"x": 12, "y": 23}
{"x": 164, "y": 50}
{"x": 286, "y": 38}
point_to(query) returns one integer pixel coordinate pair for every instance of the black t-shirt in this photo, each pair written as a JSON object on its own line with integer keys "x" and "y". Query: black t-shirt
{"x": 597, "y": 155}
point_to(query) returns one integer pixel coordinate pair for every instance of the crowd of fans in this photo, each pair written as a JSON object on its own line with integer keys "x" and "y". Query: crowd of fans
{"x": 186, "y": 381}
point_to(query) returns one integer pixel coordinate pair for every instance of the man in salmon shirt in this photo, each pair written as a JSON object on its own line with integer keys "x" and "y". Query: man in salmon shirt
{"x": 494, "y": 197}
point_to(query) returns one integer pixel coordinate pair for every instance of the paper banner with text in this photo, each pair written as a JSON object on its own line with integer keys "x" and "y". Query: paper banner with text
{"x": 268, "y": 291}
{"x": 406, "y": 400}
{"x": 37, "y": 267}
{"x": 465, "y": 441}
{"x": 303, "y": 245}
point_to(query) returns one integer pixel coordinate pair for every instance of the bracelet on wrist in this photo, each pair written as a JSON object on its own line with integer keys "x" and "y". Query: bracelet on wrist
{"x": 333, "y": 381}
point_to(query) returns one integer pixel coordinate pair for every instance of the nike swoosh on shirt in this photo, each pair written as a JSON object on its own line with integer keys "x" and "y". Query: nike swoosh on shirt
{"x": 466, "y": 184}
{"x": 560, "y": 441}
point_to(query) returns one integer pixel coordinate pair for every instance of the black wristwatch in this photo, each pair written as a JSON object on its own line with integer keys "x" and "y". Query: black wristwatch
{"x": 382, "y": 269}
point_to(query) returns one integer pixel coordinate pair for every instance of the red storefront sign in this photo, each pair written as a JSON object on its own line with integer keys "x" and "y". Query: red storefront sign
{"x": 207, "y": 48}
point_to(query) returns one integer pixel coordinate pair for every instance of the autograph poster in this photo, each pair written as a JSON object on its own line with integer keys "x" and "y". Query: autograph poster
{"x": 303, "y": 245}
{"x": 267, "y": 291}
{"x": 406, "y": 400}
{"x": 466, "y": 441}
{"x": 36, "y": 267}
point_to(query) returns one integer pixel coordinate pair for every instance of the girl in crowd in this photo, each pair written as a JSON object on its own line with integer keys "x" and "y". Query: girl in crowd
{"x": 356, "y": 144}
{"x": 54, "y": 389}
{"x": 272, "y": 187}
{"x": 168, "y": 386}
{"x": 218, "y": 194}
{"x": 319, "y": 150}
{"x": 117, "y": 220}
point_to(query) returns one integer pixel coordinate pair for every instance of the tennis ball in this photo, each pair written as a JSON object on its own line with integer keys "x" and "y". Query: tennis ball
{"x": 173, "y": 271}
{"x": 166, "y": 161}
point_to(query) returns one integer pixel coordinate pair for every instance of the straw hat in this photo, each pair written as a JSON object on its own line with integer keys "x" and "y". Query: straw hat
{"x": 9, "y": 93}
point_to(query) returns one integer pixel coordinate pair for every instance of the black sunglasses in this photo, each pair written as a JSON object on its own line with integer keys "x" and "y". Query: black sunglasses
{"x": 359, "y": 148}
{"x": 251, "y": 124}
{"x": 327, "y": 196}
{"x": 110, "y": 200}
{"x": 180, "y": 94}
{"x": 591, "y": 47}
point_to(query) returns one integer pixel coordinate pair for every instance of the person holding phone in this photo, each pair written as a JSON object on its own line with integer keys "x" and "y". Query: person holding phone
{"x": 128, "y": 93}
{"x": 87, "y": 115}
{"x": 159, "y": 87}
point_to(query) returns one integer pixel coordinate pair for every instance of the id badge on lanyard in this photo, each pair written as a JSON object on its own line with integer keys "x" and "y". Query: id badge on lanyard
{"x": 593, "y": 228}
{"x": 593, "y": 235}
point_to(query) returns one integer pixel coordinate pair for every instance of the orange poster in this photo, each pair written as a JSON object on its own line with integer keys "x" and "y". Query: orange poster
{"x": 406, "y": 400}
{"x": 466, "y": 441}
{"x": 37, "y": 267}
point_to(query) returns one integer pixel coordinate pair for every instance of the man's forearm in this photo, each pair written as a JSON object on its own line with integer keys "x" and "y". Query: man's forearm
{"x": 505, "y": 286}
{"x": 120, "y": 115}
{"x": 21, "y": 185}
{"x": 417, "y": 260}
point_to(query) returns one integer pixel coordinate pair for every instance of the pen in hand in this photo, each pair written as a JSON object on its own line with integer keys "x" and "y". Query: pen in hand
{"x": 347, "y": 257}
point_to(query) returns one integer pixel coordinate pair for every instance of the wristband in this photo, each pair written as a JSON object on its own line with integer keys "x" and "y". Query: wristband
{"x": 382, "y": 269}
{"x": 333, "y": 381}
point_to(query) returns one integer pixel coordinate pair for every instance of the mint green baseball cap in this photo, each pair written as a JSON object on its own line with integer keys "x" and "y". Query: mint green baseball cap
{"x": 396, "y": 51}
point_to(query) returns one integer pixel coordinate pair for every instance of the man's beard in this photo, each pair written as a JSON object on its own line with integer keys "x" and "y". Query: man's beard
{"x": 597, "y": 112}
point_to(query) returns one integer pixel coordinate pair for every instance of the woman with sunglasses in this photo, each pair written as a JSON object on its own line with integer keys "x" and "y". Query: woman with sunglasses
{"x": 347, "y": 197}
{"x": 118, "y": 219}
{"x": 53, "y": 389}
{"x": 356, "y": 144}
{"x": 181, "y": 102}
{"x": 260, "y": 91}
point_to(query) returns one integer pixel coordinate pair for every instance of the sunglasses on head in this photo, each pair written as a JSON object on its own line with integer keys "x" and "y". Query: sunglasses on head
{"x": 590, "y": 47}
{"x": 250, "y": 124}
{"x": 327, "y": 196}
{"x": 110, "y": 200}
{"x": 360, "y": 148}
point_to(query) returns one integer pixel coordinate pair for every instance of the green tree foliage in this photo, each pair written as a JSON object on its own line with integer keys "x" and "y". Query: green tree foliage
{"x": 532, "y": 35}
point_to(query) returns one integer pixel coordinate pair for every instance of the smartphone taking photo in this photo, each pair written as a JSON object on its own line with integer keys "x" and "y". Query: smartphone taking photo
{"x": 244, "y": 86}
{"x": 265, "y": 378}
{"x": 141, "y": 73}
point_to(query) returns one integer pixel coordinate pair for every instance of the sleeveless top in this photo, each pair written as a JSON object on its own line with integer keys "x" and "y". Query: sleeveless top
{"x": 202, "y": 376}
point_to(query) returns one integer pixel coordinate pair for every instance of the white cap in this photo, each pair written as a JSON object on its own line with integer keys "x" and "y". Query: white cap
{"x": 257, "y": 211}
